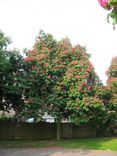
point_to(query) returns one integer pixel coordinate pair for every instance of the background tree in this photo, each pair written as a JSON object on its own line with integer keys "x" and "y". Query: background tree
{"x": 112, "y": 85}
{"x": 108, "y": 94}
{"x": 10, "y": 76}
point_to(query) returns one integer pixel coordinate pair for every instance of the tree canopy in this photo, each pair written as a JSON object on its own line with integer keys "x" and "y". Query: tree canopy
{"x": 112, "y": 83}
{"x": 10, "y": 75}
{"x": 58, "y": 78}
{"x": 61, "y": 81}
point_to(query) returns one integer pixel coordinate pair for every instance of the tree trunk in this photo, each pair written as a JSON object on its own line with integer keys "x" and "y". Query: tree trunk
{"x": 58, "y": 130}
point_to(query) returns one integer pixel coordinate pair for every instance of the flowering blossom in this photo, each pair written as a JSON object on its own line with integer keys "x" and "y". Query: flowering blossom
{"x": 111, "y": 79}
{"x": 49, "y": 76}
{"x": 74, "y": 63}
{"x": 29, "y": 59}
{"x": 110, "y": 5}
{"x": 66, "y": 51}
{"x": 104, "y": 4}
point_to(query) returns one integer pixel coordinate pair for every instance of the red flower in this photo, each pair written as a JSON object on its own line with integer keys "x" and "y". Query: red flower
{"x": 46, "y": 64}
{"x": 79, "y": 88}
{"x": 35, "y": 50}
{"x": 70, "y": 74}
{"x": 83, "y": 83}
{"x": 89, "y": 87}
{"x": 29, "y": 59}
{"x": 66, "y": 51}
{"x": 74, "y": 63}
{"x": 86, "y": 74}
{"x": 49, "y": 76}
{"x": 73, "y": 49}
{"x": 78, "y": 77}
{"x": 44, "y": 56}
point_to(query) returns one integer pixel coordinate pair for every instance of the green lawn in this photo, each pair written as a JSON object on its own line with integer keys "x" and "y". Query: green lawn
{"x": 97, "y": 143}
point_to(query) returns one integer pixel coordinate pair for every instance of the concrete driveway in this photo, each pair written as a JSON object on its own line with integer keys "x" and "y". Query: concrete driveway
{"x": 53, "y": 151}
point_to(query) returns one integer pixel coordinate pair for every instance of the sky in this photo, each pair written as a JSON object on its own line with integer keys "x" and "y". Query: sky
{"x": 82, "y": 21}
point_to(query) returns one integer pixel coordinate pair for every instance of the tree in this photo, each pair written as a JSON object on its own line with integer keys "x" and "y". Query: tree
{"x": 10, "y": 76}
{"x": 37, "y": 85}
{"x": 77, "y": 87}
{"x": 112, "y": 84}
{"x": 108, "y": 94}
{"x": 61, "y": 81}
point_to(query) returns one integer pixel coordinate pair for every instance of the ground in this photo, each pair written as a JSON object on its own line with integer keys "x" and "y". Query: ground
{"x": 54, "y": 151}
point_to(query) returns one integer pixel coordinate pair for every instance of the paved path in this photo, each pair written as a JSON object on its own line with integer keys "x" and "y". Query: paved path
{"x": 54, "y": 151}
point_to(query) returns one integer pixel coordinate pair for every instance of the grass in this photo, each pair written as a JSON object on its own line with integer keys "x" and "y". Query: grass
{"x": 96, "y": 143}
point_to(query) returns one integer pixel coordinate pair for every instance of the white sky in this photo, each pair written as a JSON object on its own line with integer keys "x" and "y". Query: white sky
{"x": 83, "y": 21}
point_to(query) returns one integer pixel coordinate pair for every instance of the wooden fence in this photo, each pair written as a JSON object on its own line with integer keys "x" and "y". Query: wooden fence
{"x": 43, "y": 131}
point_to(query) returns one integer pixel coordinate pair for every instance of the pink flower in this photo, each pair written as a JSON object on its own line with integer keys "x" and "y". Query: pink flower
{"x": 46, "y": 64}
{"x": 79, "y": 88}
{"x": 69, "y": 74}
{"x": 49, "y": 76}
{"x": 104, "y": 4}
{"x": 83, "y": 83}
{"x": 29, "y": 59}
{"x": 35, "y": 50}
{"x": 44, "y": 56}
{"x": 74, "y": 63}
{"x": 78, "y": 77}
{"x": 86, "y": 74}
{"x": 73, "y": 49}
{"x": 89, "y": 87}
{"x": 66, "y": 51}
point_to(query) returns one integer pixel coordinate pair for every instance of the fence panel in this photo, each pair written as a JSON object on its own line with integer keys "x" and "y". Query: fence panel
{"x": 7, "y": 130}
{"x": 43, "y": 131}
{"x": 83, "y": 132}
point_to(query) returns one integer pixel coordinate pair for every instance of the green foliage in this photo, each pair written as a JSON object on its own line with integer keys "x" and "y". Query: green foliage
{"x": 57, "y": 78}
{"x": 112, "y": 83}
{"x": 89, "y": 110}
{"x": 4, "y": 41}
{"x": 10, "y": 76}
{"x": 60, "y": 78}
{"x": 3, "y": 117}
{"x": 108, "y": 94}
{"x": 113, "y": 12}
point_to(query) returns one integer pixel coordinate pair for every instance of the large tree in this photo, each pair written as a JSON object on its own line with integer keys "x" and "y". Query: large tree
{"x": 61, "y": 81}
{"x": 38, "y": 68}
{"x": 77, "y": 86}
{"x": 10, "y": 76}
